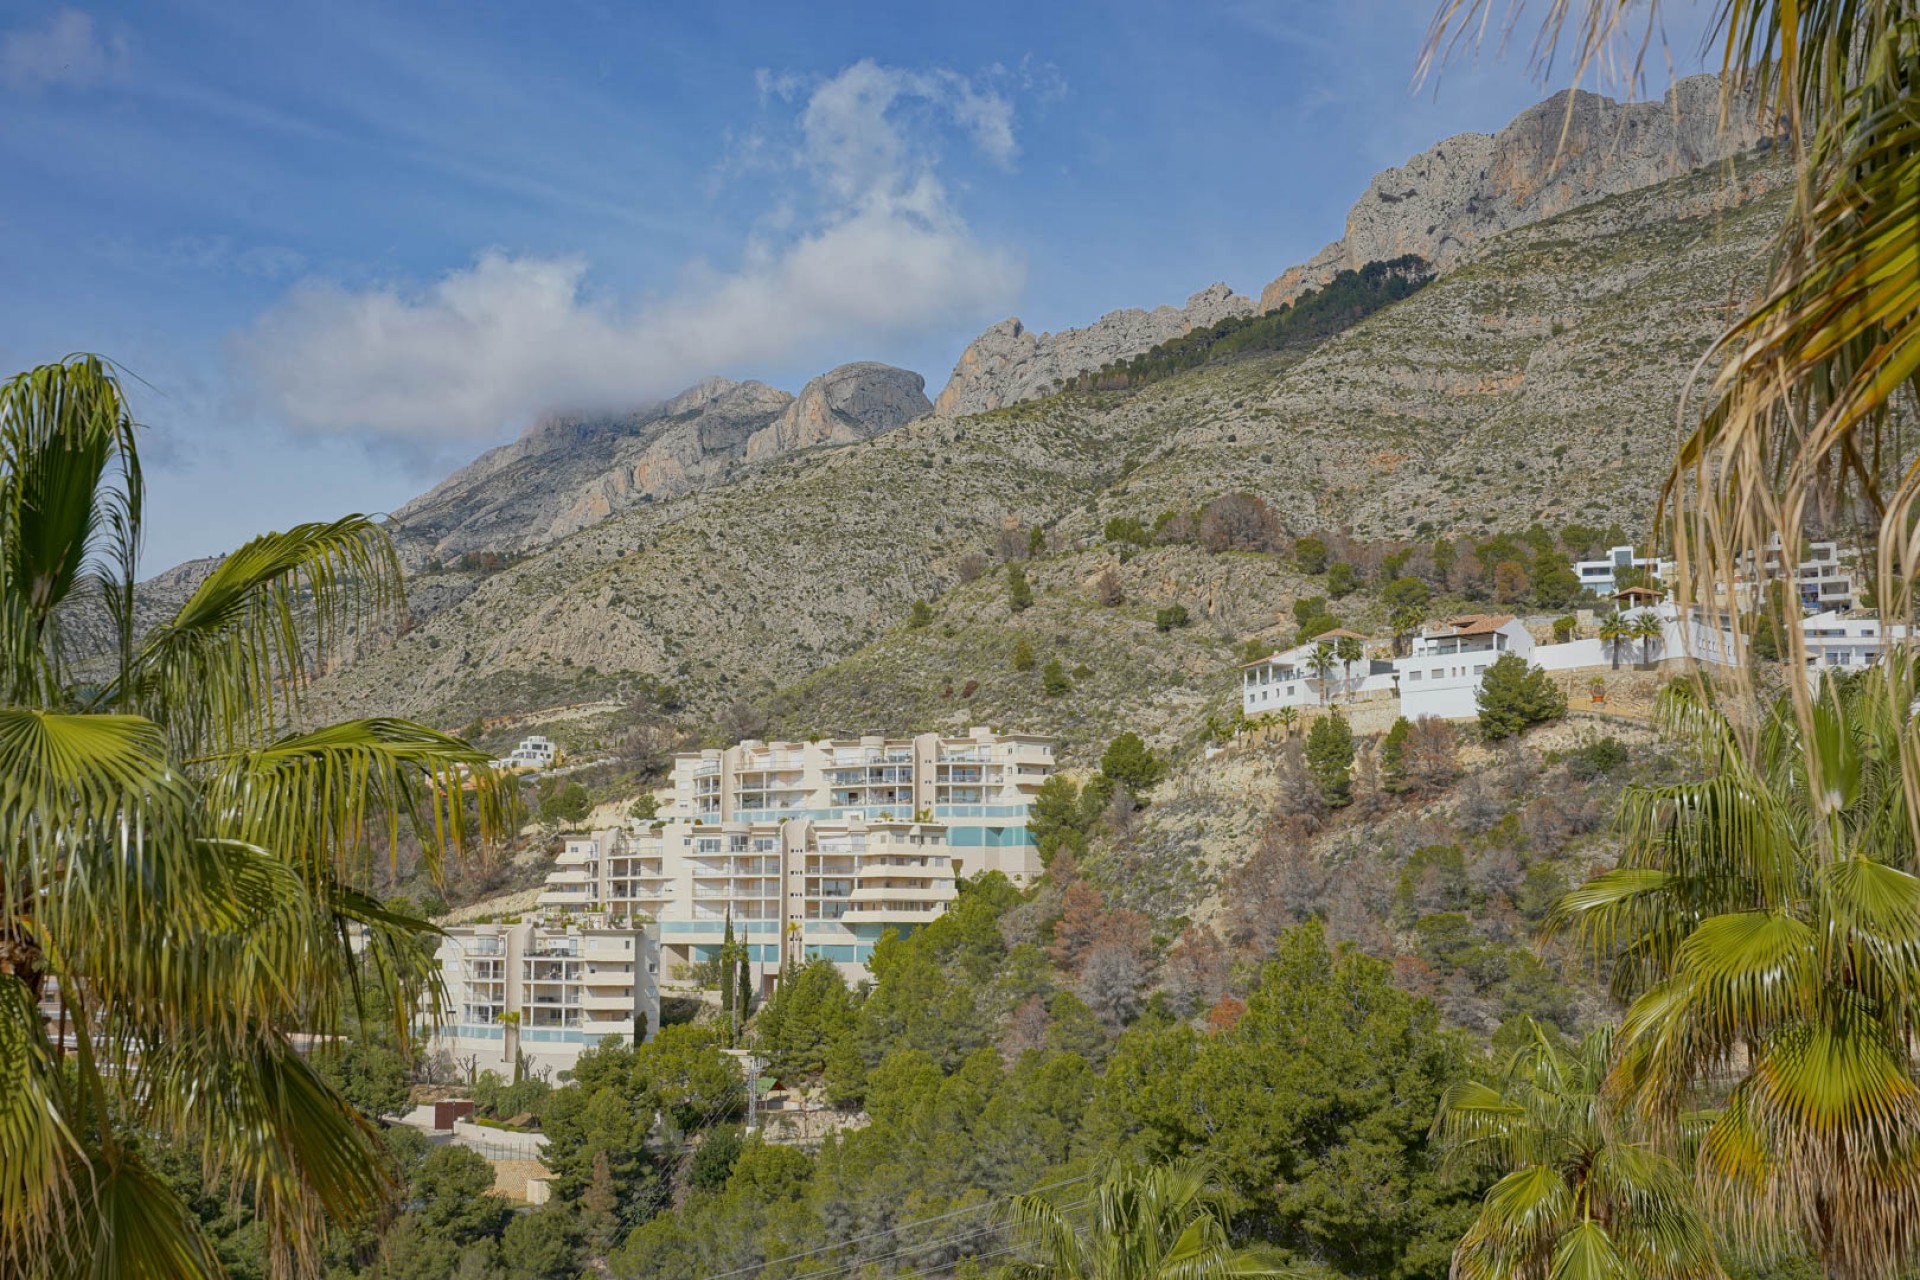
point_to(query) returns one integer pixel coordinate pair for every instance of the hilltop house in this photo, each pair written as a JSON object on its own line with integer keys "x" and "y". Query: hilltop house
{"x": 1441, "y": 677}
{"x": 1288, "y": 679}
{"x": 532, "y": 753}
{"x": 1599, "y": 576}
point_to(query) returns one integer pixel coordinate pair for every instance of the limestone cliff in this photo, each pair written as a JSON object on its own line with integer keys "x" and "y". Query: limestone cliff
{"x": 846, "y": 404}
{"x": 1009, "y": 363}
{"x": 1448, "y": 200}
{"x": 571, "y": 471}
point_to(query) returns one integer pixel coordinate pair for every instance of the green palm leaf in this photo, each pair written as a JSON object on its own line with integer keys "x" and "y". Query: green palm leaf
{"x": 188, "y": 866}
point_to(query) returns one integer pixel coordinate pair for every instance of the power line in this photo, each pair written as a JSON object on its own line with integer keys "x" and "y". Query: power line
{"x": 892, "y": 1230}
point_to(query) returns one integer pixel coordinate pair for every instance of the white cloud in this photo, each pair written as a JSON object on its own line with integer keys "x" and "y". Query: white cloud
{"x": 883, "y": 253}
{"x": 67, "y": 51}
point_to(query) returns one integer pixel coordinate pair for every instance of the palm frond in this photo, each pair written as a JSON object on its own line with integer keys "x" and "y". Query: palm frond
{"x": 228, "y": 668}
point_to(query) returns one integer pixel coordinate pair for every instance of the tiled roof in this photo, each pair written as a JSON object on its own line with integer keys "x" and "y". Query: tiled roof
{"x": 1475, "y": 624}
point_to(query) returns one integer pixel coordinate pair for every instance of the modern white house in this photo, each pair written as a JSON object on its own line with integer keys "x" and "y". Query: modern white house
{"x": 542, "y": 990}
{"x": 1288, "y": 678}
{"x": 1835, "y": 640}
{"x": 1598, "y": 576}
{"x": 811, "y": 849}
{"x": 1441, "y": 677}
{"x": 1821, "y": 580}
{"x": 532, "y": 753}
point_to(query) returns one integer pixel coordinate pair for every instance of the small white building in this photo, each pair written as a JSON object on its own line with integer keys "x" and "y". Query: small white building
{"x": 532, "y": 753}
{"x": 1441, "y": 677}
{"x": 1288, "y": 679}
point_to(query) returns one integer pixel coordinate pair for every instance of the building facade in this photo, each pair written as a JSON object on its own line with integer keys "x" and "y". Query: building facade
{"x": 1600, "y": 577}
{"x": 1441, "y": 676}
{"x": 532, "y": 753}
{"x": 543, "y": 990}
{"x": 1289, "y": 678}
{"x": 811, "y": 850}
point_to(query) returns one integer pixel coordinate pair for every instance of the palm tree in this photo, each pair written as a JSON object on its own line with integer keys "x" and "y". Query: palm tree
{"x": 1764, "y": 924}
{"x": 1648, "y": 631}
{"x": 184, "y": 865}
{"x": 1579, "y": 1193}
{"x": 1321, "y": 660}
{"x": 1287, "y": 717}
{"x": 1615, "y": 631}
{"x": 1349, "y": 650}
{"x": 1154, "y": 1222}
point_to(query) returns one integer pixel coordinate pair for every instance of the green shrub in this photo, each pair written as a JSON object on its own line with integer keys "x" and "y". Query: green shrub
{"x": 1019, "y": 591}
{"x": 1053, "y": 679}
{"x": 1174, "y": 615}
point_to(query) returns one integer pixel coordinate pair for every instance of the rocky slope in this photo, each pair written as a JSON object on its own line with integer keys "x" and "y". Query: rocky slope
{"x": 571, "y": 471}
{"x": 1539, "y": 381}
{"x": 1441, "y": 206}
{"x": 1010, "y": 363}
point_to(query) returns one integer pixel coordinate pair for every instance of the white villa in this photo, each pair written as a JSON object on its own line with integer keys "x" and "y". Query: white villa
{"x": 1597, "y": 576}
{"x": 532, "y": 753}
{"x": 811, "y": 849}
{"x": 1441, "y": 677}
{"x": 1288, "y": 679}
{"x": 544, "y": 990}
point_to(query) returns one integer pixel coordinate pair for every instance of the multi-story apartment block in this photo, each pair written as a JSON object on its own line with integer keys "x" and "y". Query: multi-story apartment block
{"x": 812, "y": 849}
{"x": 1821, "y": 582}
{"x": 544, "y": 990}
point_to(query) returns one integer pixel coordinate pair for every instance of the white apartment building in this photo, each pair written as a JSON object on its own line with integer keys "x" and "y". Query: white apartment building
{"x": 1598, "y": 576}
{"x": 812, "y": 850}
{"x": 544, "y": 990}
{"x": 532, "y": 753}
{"x": 1441, "y": 677}
{"x": 1288, "y": 678}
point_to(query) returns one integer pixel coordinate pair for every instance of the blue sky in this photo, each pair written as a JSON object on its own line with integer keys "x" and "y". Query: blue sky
{"x": 345, "y": 247}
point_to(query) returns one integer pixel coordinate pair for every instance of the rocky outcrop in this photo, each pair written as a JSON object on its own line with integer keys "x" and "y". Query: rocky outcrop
{"x": 1573, "y": 149}
{"x": 573, "y": 470}
{"x": 847, "y": 404}
{"x": 1009, "y": 363}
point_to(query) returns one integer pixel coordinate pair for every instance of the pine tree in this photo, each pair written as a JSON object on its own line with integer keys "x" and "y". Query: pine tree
{"x": 1516, "y": 695}
{"x": 1330, "y": 758}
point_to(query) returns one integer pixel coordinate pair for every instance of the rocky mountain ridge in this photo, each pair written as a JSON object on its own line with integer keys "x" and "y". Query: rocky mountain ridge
{"x": 571, "y": 471}
{"x": 1571, "y": 150}
{"x": 1010, "y": 363}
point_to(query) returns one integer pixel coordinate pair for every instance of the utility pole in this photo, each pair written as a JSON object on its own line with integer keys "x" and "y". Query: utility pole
{"x": 750, "y": 1065}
